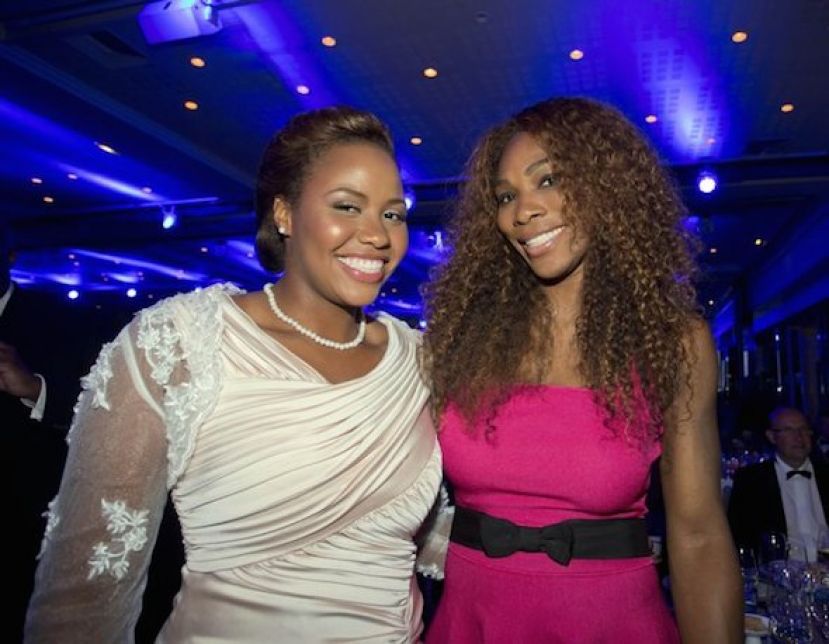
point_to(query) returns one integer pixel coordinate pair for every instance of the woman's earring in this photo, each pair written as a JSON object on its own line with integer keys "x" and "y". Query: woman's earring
{"x": 281, "y": 230}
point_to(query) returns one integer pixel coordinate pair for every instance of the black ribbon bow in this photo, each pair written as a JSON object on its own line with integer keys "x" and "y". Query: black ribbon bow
{"x": 501, "y": 538}
{"x": 805, "y": 473}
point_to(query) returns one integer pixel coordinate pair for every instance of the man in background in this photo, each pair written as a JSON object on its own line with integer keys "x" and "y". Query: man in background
{"x": 787, "y": 495}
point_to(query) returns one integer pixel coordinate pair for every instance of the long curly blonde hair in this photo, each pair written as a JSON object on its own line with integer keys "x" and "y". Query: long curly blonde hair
{"x": 487, "y": 313}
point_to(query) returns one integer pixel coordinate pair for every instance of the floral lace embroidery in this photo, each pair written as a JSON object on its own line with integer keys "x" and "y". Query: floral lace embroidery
{"x": 98, "y": 377}
{"x": 129, "y": 530}
{"x": 188, "y": 403}
{"x": 52, "y": 521}
{"x": 432, "y": 554}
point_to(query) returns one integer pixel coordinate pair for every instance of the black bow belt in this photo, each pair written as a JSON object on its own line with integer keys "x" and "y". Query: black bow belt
{"x": 580, "y": 539}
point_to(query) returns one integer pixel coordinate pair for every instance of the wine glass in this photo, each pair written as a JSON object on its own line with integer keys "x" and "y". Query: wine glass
{"x": 772, "y": 547}
{"x": 748, "y": 568}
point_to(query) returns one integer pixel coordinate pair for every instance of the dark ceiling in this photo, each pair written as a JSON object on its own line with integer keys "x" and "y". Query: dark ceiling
{"x": 76, "y": 74}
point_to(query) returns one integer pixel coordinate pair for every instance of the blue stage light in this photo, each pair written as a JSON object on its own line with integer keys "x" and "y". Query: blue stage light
{"x": 707, "y": 182}
{"x": 169, "y": 218}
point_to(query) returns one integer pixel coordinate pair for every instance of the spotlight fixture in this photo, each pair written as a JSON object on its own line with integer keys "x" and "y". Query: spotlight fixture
{"x": 787, "y": 107}
{"x": 329, "y": 41}
{"x": 73, "y": 294}
{"x": 706, "y": 182}
{"x": 430, "y": 72}
{"x": 739, "y": 37}
{"x": 303, "y": 89}
{"x": 131, "y": 292}
{"x": 37, "y": 181}
{"x": 168, "y": 217}
{"x": 191, "y": 105}
{"x": 106, "y": 148}
{"x": 576, "y": 54}
{"x": 758, "y": 241}
{"x": 713, "y": 250}
{"x": 197, "y": 61}
{"x": 415, "y": 140}
{"x": 651, "y": 118}
{"x": 48, "y": 199}
{"x": 72, "y": 176}
{"x": 146, "y": 190}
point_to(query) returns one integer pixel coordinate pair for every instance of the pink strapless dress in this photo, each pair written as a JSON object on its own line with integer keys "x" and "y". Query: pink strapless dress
{"x": 551, "y": 458}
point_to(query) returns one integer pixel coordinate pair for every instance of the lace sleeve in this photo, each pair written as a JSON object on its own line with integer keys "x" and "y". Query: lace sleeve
{"x": 103, "y": 523}
{"x": 433, "y": 540}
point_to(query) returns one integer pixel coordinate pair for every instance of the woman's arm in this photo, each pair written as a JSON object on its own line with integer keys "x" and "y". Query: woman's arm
{"x": 705, "y": 577}
{"x": 104, "y": 521}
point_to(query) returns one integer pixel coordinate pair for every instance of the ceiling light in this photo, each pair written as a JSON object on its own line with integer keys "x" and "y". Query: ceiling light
{"x": 72, "y": 176}
{"x": 168, "y": 217}
{"x": 196, "y": 61}
{"x": 576, "y": 54}
{"x": 146, "y": 190}
{"x": 758, "y": 241}
{"x": 191, "y": 105}
{"x": 73, "y": 294}
{"x": 651, "y": 118}
{"x": 106, "y": 148}
{"x": 787, "y": 107}
{"x": 430, "y": 72}
{"x": 48, "y": 199}
{"x": 706, "y": 182}
{"x": 712, "y": 250}
{"x": 131, "y": 292}
{"x": 329, "y": 41}
{"x": 739, "y": 36}
{"x": 710, "y": 302}
{"x": 37, "y": 180}
{"x": 415, "y": 140}
{"x": 203, "y": 249}
{"x": 303, "y": 89}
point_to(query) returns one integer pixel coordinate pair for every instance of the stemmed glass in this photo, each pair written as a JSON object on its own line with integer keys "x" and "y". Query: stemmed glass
{"x": 748, "y": 568}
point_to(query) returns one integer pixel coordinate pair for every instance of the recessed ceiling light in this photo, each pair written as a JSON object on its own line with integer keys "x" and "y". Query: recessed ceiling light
{"x": 203, "y": 249}
{"x": 106, "y": 148}
{"x": 430, "y": 72}
{"x": 131, "y": 292}
{"x": 651, "y": 118}
{"x": 48, "y": 199}
{"x": 71, "y": 256}
{"x": 415, "y": 140}
{"x": 146, "y": 189}
{"x": 710, "y": 302}
{"x": 197, "y": 61}
{"x": 758, "y": 241}
{"x": 73, "y": 294}
{"x": 787, "y": 107}
{"x": 329, "y": 41}
{"x": 576, "y": 54}
{"x": 712, "y": 250}
{"x": 303, "y": 89}
{"x": 191, "y": 105}
{"x": 37, "y": 180}
{"x": 72, "y": 176}
{"x": 739, "y": 36}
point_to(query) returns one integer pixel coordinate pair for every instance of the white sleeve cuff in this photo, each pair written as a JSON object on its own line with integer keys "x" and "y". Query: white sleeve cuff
{"x": 37, "y": 406}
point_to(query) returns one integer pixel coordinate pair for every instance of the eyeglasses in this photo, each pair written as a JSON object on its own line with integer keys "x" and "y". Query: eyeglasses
{"x": 803, "y": 430}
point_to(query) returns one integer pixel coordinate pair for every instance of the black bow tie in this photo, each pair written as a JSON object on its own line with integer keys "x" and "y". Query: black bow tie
{"x": 805, "y": 473}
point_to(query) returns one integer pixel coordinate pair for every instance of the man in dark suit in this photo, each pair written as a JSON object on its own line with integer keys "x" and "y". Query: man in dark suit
{"x": 42, "y": 358}
{"x": 788, "y": 494}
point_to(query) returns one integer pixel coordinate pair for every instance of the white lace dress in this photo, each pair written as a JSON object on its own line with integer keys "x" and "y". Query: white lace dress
{"x": 298, "y": 499}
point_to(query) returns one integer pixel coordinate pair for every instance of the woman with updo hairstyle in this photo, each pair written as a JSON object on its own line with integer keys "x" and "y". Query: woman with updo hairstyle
{"x": 290, "y": 428}
{"x": 566, "y": 355}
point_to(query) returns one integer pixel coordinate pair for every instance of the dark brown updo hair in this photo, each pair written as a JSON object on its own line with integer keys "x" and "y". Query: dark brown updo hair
{"x": 288, "y": 158}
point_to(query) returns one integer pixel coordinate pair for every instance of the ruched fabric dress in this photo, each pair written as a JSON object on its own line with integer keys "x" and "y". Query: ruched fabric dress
{"x": 298, "y": 498}
{"x": 549, "y": 459}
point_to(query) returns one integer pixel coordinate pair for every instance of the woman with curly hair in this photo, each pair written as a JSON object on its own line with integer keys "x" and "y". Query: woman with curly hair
{"x": 566, "y": 354}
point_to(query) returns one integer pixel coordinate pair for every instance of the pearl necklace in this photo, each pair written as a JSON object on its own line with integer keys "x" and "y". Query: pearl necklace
{"x": 308, "y": 333}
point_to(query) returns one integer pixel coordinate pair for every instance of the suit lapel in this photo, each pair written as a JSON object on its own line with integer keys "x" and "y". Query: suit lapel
{"x": 775, "y": 497}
